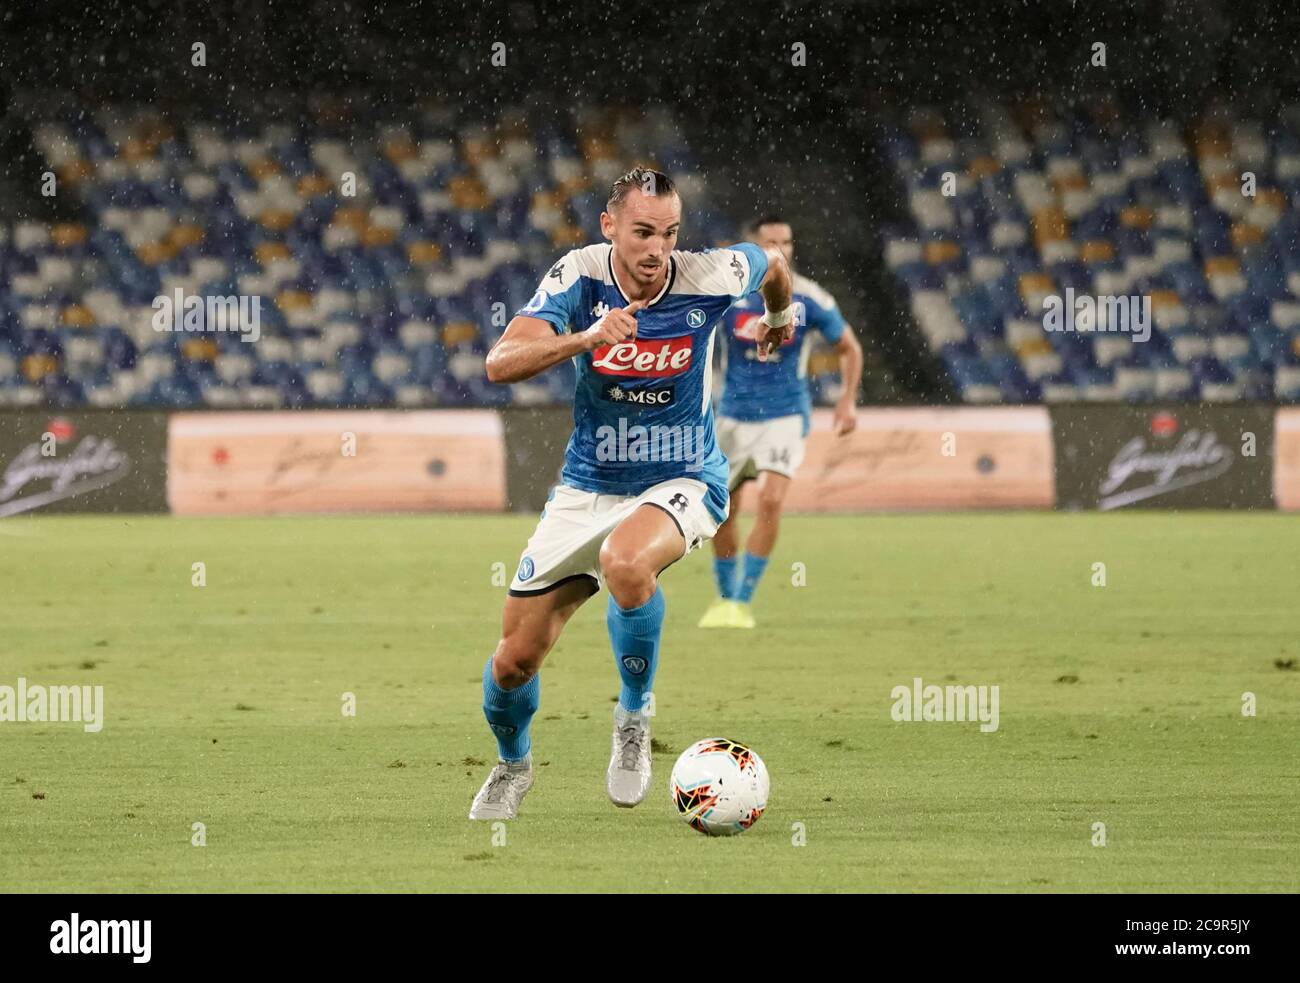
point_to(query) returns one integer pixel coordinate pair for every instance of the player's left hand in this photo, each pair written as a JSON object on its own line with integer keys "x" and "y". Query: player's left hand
{"x": 770, "y": 338}
{"x": 846, "y": 420}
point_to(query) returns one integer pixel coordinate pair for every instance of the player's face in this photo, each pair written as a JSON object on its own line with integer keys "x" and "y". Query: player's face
{"x": 643, "y": 230}
{"x": 778, "y": 235}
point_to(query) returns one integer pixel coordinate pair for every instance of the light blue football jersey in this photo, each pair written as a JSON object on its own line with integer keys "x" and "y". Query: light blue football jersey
{"x": 642, "y": 409}
{"x": 754, "y": 390}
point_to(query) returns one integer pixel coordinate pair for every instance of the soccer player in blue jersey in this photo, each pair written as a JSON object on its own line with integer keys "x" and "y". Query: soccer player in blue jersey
{"x": 643, "y": 483}
{"x": 763, "y": 422}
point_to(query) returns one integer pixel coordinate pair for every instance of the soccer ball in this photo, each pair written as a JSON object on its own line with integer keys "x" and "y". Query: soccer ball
{"x": 719, "y": 786}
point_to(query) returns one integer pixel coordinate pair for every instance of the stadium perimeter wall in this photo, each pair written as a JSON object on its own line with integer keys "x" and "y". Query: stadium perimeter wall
{"x": 1078, "y": 456}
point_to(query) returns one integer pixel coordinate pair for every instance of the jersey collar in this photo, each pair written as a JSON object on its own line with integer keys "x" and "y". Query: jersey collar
{"x": 668, "y": 283}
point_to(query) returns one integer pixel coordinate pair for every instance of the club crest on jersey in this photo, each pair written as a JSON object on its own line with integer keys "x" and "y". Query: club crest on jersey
{"x": 696, "y": 317}
{"x": 639, "y": 397}
{"x": 646, "y": 359}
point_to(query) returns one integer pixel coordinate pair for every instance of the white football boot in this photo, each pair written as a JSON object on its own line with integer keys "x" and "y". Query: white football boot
{"x": 628, "y": 777}
{"x": 504, "y": 789}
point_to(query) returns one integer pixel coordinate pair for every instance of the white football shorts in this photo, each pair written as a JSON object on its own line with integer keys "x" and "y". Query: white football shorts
{"x": 575, "y": 523}
{"x": 752, "y": 446}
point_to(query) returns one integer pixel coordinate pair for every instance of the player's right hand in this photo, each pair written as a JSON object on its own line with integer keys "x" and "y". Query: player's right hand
{"x": 618, "y": 325}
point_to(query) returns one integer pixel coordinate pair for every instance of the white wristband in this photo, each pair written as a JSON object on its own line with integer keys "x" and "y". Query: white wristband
{"x": 778, "y": 319}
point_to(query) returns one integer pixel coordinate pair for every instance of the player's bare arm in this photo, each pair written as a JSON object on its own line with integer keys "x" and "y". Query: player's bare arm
{"x": 777, "y": 289}
{"x": 850, "y": 353}
{"x": 530, "y": 345}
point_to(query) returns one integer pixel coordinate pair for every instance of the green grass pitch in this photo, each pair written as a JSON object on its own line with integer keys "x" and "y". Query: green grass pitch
{"x": 1119, "y": 705}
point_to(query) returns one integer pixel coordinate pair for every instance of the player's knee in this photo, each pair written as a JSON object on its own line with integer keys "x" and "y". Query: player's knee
{"x": 770, "y": 500}
{"x": 724, "y": 540}
{"x": 628, "y": 579}
{"x": 516, "y": 661}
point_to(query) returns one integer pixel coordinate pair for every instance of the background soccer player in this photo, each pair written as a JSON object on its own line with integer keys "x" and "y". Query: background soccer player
{"x": 763, "y": 422}
{"x": 638, "y": 317}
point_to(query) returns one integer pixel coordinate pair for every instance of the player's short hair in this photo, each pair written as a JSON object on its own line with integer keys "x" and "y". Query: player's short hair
{"x": 644, "y": 179}
{"x": 762, "y": 220}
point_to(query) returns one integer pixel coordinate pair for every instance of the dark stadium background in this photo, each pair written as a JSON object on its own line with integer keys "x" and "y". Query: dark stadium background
{"x": 773, "y": 138}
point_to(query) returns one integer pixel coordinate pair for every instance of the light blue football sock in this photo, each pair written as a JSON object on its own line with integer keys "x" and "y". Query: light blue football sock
{"x": 753, "y": 573}
{"x": 634, "y": 636}
{"x": 724, "y": 572}
{"x": 509, "y": 712}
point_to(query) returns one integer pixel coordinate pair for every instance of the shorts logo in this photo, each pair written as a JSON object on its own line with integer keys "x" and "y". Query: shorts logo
{"x": 634, "y": 664}
{"x": 696, "y": 317}
{"x": 640, "y": 397}
{"x": 505, "y": 730}
{"x": 644, "y": 359}
{"x": 525, "y": 568}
